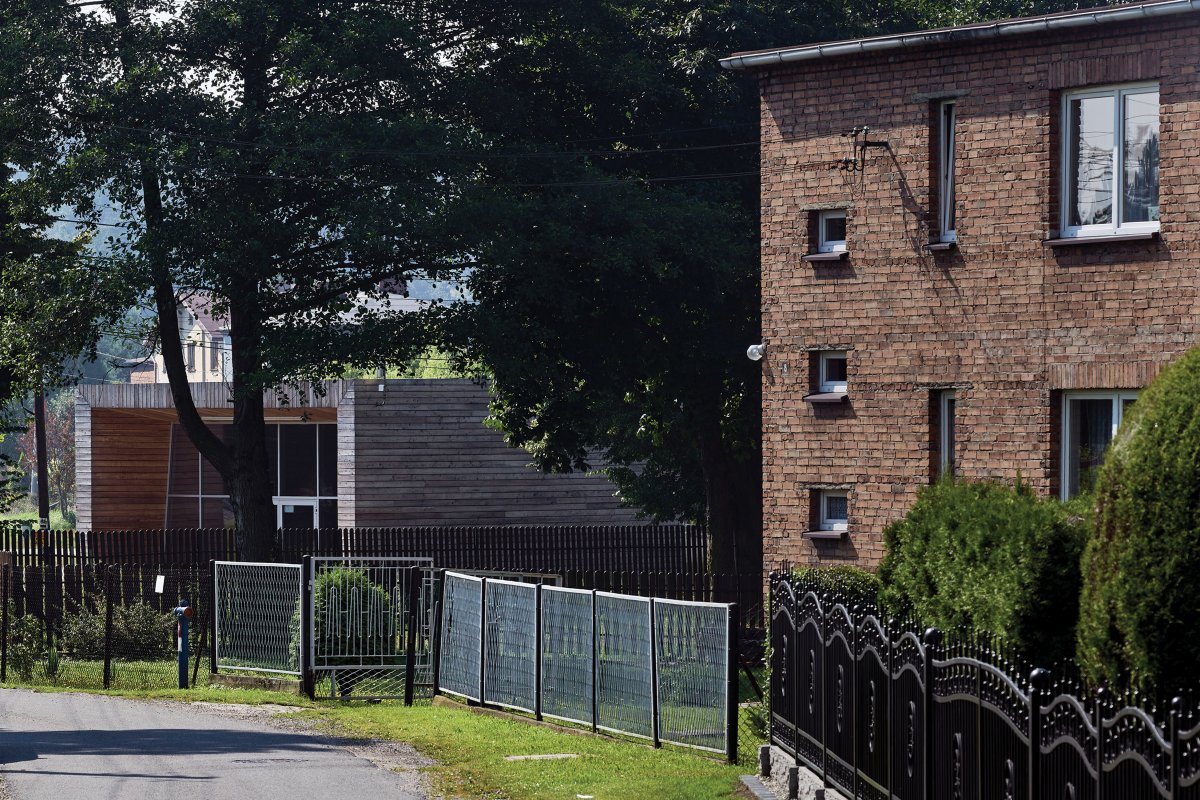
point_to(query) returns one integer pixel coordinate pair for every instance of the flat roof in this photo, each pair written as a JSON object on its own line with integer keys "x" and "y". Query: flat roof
{"x": 1130, "y": 12}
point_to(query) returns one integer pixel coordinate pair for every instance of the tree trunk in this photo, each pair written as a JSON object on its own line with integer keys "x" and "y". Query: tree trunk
{"x": 249, "y": 483}
{"x": 733, "y": 496}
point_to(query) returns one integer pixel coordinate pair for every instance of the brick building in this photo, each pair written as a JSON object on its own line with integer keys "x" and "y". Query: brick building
{"x": 964, "y": 263}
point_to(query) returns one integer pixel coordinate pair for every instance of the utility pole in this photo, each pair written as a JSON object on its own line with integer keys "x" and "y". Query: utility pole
{"x": 43, "y": 478}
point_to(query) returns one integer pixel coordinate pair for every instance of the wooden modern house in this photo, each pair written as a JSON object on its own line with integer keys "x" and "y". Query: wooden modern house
{"x": 364, "y": 453}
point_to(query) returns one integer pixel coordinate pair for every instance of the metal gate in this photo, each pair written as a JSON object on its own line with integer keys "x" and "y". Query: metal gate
{"x": 369, "y": 627}
{"x": 256, "y": 621}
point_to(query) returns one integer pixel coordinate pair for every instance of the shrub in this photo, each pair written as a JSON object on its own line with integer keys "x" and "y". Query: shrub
{"x": 1140, "y": 608}
{"x": 360, "y": 626}
{"x": 26, "y": 645}
{"x": 847, "y": 584}
{"x": 989, "y": 559}
{"x": 140, "y": 632}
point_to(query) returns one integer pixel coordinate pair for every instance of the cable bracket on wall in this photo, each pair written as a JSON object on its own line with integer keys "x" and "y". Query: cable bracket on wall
{"x": 857, "y": 160}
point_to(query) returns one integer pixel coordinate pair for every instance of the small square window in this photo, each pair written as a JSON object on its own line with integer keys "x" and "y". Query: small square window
{"x": 833, "y": 371}
{"x": 832, "y": 230}
{"x": 835, "y": 510}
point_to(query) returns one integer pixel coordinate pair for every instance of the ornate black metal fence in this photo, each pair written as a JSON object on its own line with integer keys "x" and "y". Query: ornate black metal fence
{"x": 882, "y": 711}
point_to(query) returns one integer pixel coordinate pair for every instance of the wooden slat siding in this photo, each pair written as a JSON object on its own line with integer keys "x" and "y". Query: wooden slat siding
{"x": 346, "y": 459}
{"x": 83, "y": 461}
{"x": 127, "y": 470}
{"x": 421, "y": 456}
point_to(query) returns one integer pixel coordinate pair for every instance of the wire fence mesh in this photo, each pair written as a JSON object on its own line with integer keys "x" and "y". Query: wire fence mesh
{"x": 462, "y": 621}
{"x": 692, "y": 649}
{"x": 567, "y": 653}
{"x": 657, "y": 669}
{"x": 257, "y": 616}
{"x": 92, "y": 627}
{"x": 624, "y": 669}
{"x": 510, "y": 645}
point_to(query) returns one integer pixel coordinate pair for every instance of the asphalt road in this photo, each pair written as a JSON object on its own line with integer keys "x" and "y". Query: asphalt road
{"x": 57, "y": 746}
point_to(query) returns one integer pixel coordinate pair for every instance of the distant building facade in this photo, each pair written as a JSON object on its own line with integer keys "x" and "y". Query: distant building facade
{"x": 363, "y": 453}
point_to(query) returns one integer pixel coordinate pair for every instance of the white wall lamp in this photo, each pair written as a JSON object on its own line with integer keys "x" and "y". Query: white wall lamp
{"x": 755, "y": 352}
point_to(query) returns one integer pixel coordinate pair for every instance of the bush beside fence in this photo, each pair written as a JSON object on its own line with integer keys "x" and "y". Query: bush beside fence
{"x": 96, "y": 626}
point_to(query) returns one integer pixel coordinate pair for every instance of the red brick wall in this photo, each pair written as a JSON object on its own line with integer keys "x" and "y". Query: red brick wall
{"x": 1006, "y": 320}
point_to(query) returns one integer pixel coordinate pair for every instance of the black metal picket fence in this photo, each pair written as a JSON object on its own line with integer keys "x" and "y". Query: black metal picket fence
{"x": 882, "y": 711}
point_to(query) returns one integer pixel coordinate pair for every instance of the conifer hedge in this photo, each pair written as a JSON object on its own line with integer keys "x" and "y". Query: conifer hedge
{"x": 1140, "y": 607}
{"x": 990, "y": 559}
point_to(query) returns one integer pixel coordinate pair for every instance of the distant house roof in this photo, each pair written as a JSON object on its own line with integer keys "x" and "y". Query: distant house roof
{"x": 201, "y": 306}
{"x": 983, "y": 30}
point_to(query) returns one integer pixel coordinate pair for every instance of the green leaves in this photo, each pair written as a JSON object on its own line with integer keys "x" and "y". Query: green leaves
{"x": 1139, "y": 611}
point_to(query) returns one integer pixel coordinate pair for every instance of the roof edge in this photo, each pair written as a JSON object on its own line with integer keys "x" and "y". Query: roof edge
{"x": 986, "y": 30}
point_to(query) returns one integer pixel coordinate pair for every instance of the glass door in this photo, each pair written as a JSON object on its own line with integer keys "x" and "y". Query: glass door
{"x": 296, "y": 513}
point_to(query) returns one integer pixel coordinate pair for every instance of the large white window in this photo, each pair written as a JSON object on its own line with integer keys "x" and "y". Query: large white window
{"x": 946, "y": 196}
{"x": 1089, "y": 423}
{"x": 1110, "y": 161}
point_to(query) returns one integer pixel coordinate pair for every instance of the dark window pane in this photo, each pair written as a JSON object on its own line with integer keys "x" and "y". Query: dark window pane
{"x": 329, "y": 518}
{"x": 273, "y": 457}
{"x": 298, "y": 516}
{"x": 327, "y": 456}
{"x": 1091, "y": 179}
{"x": 1140, "y": 142}
{"x": 183, "y": 512}
{"x": 836, "y": 507}
{"x": 949, "y": 434}
{"x": 210, "y": 480}
{"x": 298, "y": 461}
{"x": 835, "y": 370}
{"x": 835, "y": 229}
{"x": 216, "y": 512}
{"x": 184, "y": 477}
{"x": 1089, "y": 436}
{"x": 948, "y": 199}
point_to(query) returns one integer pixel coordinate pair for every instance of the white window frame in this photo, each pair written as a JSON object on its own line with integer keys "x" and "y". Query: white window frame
{"x": 945, "y": 427}
{"x": 827, "y": 523}
{"x": 947, "y": 122}
{"x": 829, "y": 245}
{"x": 1118, "y": 398}
{"x": 823, "y": 382}
{"x": 1118, "y": 226}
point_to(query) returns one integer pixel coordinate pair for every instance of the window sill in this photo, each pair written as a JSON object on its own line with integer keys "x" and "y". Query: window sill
{"x": 826, "y": 397}
{"x": 1072, "y": 241}
{"x": 941, "y": 247}
{"x": 837, "y": 255}
{"x": 827, "y": 535}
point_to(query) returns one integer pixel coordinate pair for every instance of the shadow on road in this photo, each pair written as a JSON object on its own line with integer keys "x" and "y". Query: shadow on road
{"x": 18, "y": 746}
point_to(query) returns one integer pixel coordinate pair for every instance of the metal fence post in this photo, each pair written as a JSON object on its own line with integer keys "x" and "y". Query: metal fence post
{"x": 932, "y": 639}
{"x": 6, "y": 572}
{"x": 439, "y": 593}
{"x": 1038, "y": 679}
{"x": 305, "y": 661}
{"x": 109, "y": 590}
{"x": 482, "y": 642}
{"x": 731, "y": 689}
{"x": 655, "y": 722}
{"x": 410, "y": 645}
{"x": 1101, "y": 696}
{"x": 537, "y": 652}
{"x": 213, "y": 613}
{"x": 1176, "y": 745}
{"x": 595, "y": 664}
